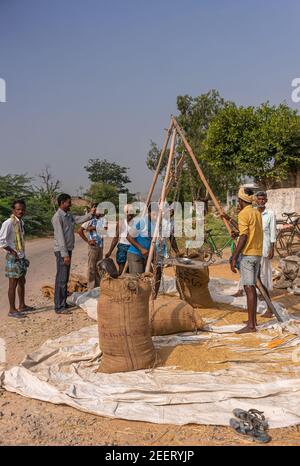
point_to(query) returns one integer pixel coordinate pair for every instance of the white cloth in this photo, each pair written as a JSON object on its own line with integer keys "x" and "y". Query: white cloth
{"x": 8, "y": 236}
{"x": 64, "y": 371}
{"x": 124, "y": 230}
{"x": 266, "y": 273}
{"x": 269, "y": 228}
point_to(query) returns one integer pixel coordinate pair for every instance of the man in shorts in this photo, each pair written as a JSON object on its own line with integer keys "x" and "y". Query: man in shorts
{"x": 250, "y": 247}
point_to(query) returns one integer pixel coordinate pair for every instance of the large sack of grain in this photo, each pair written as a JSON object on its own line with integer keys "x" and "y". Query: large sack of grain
{"x": 123, "y": 322}
{"x": 192, "y": 285}
{"x": 169, "y": 314}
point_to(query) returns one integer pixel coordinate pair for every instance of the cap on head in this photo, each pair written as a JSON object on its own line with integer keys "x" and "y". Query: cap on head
{"x": 246, "y": 194}
{"x": 129, "y": 209}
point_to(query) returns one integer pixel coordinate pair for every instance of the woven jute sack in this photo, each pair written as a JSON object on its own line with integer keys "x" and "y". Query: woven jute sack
{"x": 169, "y": 314}
{"x": 192, "y": 285}
{"x": 123, "y": 323}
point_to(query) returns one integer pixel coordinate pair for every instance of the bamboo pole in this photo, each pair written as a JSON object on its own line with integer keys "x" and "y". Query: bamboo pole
{"x": 158, "y": 168}
{"x": 200, "y": 173}
{"x": 179, "y": 169}
{"x": 161, "y": 202}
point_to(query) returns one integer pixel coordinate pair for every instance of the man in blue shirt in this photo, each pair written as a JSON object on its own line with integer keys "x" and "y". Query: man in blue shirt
{"x": 139, "y": 237}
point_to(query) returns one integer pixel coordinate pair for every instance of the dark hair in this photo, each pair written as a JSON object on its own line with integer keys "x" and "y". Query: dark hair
{"x": 249, "y": 191}
{"x": 262, "y": 194}
{"x": 94, "y": 204}
{"x": 63, "y": 198}
{"x": 18, "y": 201}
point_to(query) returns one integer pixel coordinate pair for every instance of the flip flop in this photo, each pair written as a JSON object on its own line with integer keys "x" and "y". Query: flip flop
{"x": 16, "y": 315}
{"x": 244, "y": 428}
{"x": 28, "y": 309}
{"x": 253, "y": 416}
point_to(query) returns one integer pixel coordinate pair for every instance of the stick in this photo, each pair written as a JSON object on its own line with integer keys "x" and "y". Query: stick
{"x": 161, "y": 203}
{"x": 271, "y": 306}
{"x": 157, "y": 171}
{"x": 201, "y": 174}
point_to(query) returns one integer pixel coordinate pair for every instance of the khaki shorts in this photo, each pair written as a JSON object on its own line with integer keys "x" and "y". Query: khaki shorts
{"x": 136, "y": 263}
{"x": 249, "y": 270}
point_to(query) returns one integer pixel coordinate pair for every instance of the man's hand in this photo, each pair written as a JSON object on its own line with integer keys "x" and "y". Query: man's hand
{"x": 233, "y": 265}
{"x": 92, "y": 242}
{"x": 271, "y": 252}
{"x": 67, "y": 260}
{"x": 234, "y": 234}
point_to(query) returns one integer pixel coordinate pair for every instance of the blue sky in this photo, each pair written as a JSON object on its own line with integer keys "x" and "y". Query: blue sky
{"x": 95, "y": 78}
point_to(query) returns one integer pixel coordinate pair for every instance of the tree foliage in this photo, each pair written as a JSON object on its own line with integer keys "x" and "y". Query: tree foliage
{"x": 109, "y": 173}
{"x": 262, "y": 142}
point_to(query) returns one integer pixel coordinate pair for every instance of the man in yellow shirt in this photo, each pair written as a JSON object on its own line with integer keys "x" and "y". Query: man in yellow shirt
{"x": 250, "y": 247}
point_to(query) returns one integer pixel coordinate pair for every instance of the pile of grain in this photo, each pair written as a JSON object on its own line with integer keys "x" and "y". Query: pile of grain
{"x": 77, "y": 283}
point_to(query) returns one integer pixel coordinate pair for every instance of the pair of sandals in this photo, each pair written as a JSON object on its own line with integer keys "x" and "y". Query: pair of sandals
{"x": 21, "y": 314}
{"x": 251, "y": 423}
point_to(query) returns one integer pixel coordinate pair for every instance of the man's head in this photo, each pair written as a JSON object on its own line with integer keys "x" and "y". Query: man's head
{"x": 245, "y": 197}
{"x": 19, "y": 208}
{"x": 171, "y": 209}
{"x": 99, "y": 213}
{"x": 129, "y": 212}
{"x": 93, "y": 208}
{"x": 261, "y": 199}
{"x": 64, "y": 202}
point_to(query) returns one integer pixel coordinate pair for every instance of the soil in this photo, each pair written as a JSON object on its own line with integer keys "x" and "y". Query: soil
{"x": 25, "y": 421}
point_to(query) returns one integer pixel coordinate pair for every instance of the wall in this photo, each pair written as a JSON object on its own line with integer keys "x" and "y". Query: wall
{"x": 284, "y": 200}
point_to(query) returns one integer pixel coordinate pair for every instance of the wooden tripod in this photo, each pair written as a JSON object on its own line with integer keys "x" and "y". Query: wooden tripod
{"x": 176, "y": 131}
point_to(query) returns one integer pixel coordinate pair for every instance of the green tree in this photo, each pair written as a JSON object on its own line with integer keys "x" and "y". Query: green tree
{"x": 15, "y": 186}
{"x": 102, "y": 192}
{"x": 108, "y": 173}
{"x": 262, "y": 142}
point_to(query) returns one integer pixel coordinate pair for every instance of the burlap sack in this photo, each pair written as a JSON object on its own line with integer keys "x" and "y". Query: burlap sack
{"x": 169, "y": 314}
{"x": 192, "y": 285}
{"x": 123, "y": 322}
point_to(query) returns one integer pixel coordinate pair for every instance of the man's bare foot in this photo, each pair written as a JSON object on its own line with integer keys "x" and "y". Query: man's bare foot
{"x": 247, "y": 322}
{"x": 268, "y": 314}
{"x": 246, "y": 329}
{"x": 238, "y": 294}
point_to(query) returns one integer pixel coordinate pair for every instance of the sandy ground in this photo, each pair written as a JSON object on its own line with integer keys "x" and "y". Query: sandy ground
{"x": 30, "y": 422}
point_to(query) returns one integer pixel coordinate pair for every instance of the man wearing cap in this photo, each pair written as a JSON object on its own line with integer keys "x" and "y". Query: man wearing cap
{"x": 250, "y": 247}
{"x": 95, "y": 245}
{"x": 120, "y": 240}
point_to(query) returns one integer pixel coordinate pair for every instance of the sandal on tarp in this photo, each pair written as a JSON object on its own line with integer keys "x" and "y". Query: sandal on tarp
{"x": 253, "y": 416}
{"x": 246, "y": 429}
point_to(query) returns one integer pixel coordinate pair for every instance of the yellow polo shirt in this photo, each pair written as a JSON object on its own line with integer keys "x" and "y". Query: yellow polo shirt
{"x": 250, "y": 224}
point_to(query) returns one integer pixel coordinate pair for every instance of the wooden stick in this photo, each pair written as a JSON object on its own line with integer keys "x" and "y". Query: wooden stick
{"x": 162, "y": 200}
{"x": 201, "y": 174}
{"x": 158, "y": 168}
{"x": 179, "y": 169}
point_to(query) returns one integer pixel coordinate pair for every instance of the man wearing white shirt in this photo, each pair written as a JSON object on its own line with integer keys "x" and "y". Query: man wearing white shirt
{"x": 12, "y": 241}
{"x": 269, "y": 239}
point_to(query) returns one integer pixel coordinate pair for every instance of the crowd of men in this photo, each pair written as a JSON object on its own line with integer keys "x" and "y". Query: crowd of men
{"x": 255, "y": 229}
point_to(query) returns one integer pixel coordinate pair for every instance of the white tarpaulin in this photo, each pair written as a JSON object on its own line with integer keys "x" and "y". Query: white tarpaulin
{"x": 63, "y": 371}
